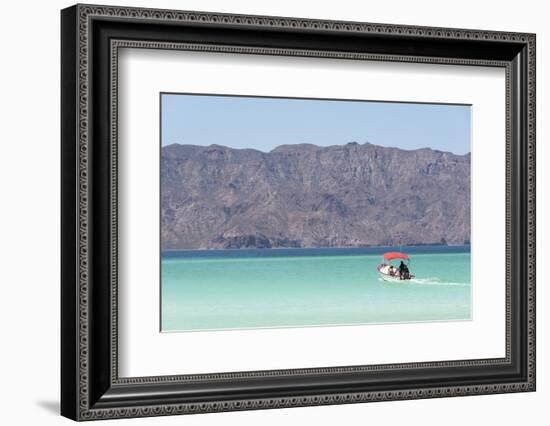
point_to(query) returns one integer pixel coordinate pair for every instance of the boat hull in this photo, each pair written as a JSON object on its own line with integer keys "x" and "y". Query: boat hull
{"x": 383, "y": 272}
{"x": 390, "y": 278}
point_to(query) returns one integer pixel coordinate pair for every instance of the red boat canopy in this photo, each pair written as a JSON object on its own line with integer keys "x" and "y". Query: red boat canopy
{"x": 395, "y": 255}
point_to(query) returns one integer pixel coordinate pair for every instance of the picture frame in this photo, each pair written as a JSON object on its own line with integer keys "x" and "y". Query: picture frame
{"x": 91, "y": 37}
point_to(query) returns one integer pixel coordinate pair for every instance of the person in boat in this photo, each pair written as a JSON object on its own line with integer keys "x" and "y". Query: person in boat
{"x": 392, "y": 271}
{"x": 403, "y": 271}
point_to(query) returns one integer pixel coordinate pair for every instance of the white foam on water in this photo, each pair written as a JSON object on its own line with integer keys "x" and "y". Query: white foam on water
{"x": 425, "y": 281}
{"x": 435, "y": 281}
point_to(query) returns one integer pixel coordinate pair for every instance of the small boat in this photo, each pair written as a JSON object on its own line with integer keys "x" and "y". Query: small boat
{"x": 390, "y": 272}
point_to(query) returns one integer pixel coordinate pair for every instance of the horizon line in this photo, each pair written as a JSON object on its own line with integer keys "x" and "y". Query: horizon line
{"x": 313, "y": 145}
{"x": 419, "y": 245}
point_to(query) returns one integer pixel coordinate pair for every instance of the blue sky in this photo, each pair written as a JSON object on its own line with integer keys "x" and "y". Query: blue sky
{"x": 265, "y": 123}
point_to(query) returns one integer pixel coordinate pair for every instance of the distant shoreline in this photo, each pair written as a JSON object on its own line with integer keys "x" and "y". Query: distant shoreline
{"x": 266, "y": 249}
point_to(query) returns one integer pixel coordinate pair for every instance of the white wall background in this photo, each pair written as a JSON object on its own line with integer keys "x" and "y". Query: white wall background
{"x": 29, "y": 212}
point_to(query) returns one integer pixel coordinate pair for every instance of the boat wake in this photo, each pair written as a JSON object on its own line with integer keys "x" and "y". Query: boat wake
{"x": 427, "y": 281}
{"x": 436, "y": 281}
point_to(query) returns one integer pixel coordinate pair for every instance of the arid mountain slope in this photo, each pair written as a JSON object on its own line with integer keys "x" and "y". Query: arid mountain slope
{"x": 310, "y": 196}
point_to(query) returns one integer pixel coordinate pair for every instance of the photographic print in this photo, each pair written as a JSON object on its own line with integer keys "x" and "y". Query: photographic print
{"x": 296, "y": 212}
{"x": 345, "y": 209}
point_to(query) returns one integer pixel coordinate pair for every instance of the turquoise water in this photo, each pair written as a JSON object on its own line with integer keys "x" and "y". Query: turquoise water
{"x": 233, "y": 289}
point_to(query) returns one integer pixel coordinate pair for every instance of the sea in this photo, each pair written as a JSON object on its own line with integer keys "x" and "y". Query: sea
{"x": 276, "y": 288}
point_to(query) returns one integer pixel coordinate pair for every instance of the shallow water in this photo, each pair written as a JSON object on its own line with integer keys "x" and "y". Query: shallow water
{"x": 234, "y": 289}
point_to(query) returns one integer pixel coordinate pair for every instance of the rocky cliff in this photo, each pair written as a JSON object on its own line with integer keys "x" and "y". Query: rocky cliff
{"x": 309, "y": 196}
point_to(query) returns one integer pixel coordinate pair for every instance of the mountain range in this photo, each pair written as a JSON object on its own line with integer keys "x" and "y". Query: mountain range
{"x": 304, "y": 195}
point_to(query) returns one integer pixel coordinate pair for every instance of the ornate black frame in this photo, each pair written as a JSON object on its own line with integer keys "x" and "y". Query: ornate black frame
{"x": 91, "y": 37}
